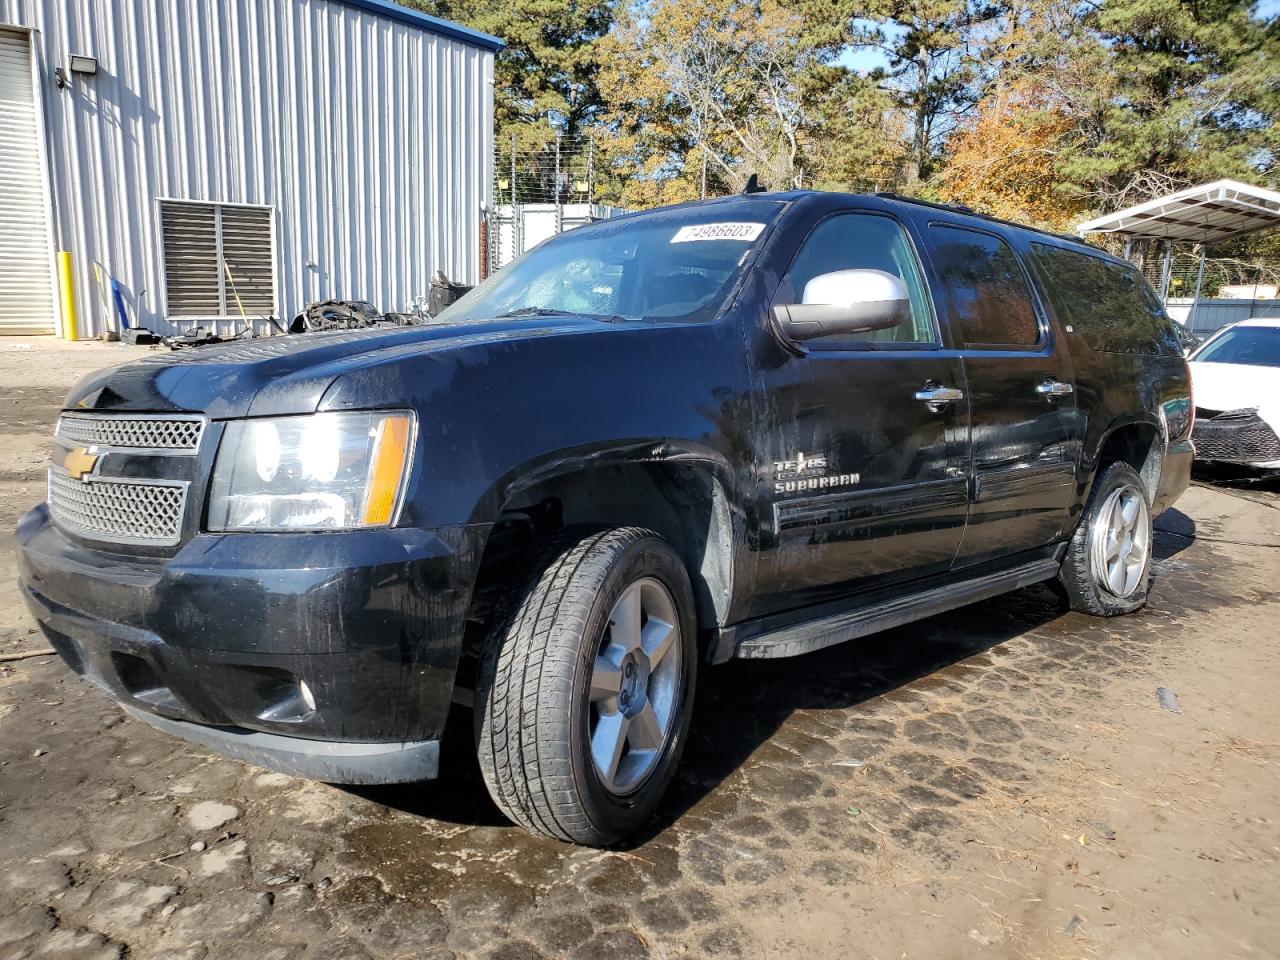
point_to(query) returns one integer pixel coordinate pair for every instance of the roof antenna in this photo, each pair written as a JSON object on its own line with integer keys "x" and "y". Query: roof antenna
{"x": 753, "y": 185}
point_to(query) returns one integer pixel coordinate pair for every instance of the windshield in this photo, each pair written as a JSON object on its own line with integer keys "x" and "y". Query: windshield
{"x": 1255, "y": 346}
{"x": 673, "y": 265}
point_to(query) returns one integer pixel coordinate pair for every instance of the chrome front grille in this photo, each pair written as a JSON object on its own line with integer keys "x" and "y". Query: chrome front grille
{"x": 127, "y": 511}
{"x": 124, "y": 477}
{"x": 137, "y": 432}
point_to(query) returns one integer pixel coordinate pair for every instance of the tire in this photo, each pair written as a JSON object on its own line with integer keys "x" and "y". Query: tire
{"x": 546, "y": 671}
{"x": 1093, "y": 580}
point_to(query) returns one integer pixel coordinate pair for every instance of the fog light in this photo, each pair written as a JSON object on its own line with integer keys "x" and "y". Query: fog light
{"x": 308, "y": 697}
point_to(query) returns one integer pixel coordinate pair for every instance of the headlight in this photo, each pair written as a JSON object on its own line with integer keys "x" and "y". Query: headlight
{"x": 326, "y": 471}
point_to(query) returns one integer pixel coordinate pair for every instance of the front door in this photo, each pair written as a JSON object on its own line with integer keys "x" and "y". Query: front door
{"x": 861, "y": 483}
{"x": 1021, "y": 395}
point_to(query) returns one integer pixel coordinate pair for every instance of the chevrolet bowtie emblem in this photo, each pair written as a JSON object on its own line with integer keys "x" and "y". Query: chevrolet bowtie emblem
{"x": 79, "y": 461}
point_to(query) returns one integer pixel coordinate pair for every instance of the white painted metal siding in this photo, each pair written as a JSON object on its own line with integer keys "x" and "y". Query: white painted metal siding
{"x": 369, "y": 138}
{"x": 26, "y": 289}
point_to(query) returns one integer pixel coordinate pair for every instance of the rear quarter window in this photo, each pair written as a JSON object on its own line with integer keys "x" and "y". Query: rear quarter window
{"x": 1107, "y": 304}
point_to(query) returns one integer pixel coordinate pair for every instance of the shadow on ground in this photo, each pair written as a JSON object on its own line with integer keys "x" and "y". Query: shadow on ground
{"x": 743, "y": 703}
{"x": 1175, "y": 531}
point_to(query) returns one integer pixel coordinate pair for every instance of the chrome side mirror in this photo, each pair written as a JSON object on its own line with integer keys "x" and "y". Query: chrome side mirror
{"x": 845, "y": 301}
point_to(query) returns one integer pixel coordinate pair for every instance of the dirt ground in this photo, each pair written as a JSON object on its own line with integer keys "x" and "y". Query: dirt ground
{"x": 1002, "y": 781}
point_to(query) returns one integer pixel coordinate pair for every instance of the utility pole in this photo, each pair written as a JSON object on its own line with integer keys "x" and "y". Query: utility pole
{"x": 559, "y": 211}
{"x": 1166, "y": 271}
{"x": 702, "y": 143}
{"x": 517, "y": 219}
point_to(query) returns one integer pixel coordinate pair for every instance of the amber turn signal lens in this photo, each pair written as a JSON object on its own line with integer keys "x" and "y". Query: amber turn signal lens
{"x": 386, "y": 469}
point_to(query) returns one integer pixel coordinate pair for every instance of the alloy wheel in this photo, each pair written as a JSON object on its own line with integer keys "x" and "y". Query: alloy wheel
{"x": 1121, "y": 538}
{"x": 635, "y": 691}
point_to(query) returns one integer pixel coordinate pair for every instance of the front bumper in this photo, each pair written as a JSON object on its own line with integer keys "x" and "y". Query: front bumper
{"x": 333, "y": 761}
{"x": 215, "y": 643}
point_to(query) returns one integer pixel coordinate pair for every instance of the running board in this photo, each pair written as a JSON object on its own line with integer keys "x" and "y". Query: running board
{"x": 827, "y": 631}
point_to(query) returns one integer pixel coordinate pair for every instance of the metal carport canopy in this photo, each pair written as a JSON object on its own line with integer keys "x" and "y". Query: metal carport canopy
{"x": 1216, "y": 211}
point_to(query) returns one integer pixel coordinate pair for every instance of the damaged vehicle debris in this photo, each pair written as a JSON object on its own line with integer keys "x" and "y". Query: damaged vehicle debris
{"x": 1236, "y": 380}
{"x": 747, "y": 427}
{"x": 328, "y": 315}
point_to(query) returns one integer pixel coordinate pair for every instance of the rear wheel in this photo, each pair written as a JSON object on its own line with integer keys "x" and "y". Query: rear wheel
{"x": 1107, "y": 570}
{"x": 586, "y": 687}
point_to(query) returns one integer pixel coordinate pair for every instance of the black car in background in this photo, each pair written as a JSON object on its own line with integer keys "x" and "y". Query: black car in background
{"x": 747, "y": 427}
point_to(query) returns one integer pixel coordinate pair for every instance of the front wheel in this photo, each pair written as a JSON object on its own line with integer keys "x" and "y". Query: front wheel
{"x": 586, "y": 687}
{"x": 1107, "y": 569}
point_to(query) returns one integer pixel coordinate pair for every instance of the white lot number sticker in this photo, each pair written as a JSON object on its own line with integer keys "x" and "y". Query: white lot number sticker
{"x": 746, "y": 232}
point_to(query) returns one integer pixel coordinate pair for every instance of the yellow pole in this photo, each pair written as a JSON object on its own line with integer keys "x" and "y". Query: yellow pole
{"x": 70, "y": 323}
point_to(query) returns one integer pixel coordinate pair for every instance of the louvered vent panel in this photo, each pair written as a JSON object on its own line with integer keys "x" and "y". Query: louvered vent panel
{"x": 191, "y": 259}
{"x": 246, "y": 248}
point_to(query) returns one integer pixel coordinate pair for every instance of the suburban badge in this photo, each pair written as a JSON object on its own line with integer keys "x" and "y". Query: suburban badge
{"x": 808, "y": 471}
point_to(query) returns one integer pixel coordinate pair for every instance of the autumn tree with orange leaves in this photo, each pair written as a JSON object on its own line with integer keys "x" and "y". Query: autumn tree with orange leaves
{"x": 1006, "y": 163}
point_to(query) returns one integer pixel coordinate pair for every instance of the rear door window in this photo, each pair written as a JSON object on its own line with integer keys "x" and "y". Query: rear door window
{"x": 1108, "y": 304}
{"x": 983, "y": 281}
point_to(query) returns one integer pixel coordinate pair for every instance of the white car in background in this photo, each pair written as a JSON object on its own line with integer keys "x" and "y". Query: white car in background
{"x": 1235, "y": 377}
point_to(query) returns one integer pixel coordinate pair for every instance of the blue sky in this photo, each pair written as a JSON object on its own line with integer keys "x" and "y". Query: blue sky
{"x": 865, "y": 59}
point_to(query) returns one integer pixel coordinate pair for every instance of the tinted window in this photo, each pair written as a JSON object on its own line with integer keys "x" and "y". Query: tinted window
{"x": 671, "y": 265}
{"x": 1255, "y": 346}
{"x": 1109, "y": 304}
{"x": 982, "y": 278}
{"x": 862, "y": 241}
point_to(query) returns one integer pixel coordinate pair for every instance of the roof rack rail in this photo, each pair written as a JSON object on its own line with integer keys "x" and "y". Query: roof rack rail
{"x": 961, "y": 208}
{"x": 957, "y": 207}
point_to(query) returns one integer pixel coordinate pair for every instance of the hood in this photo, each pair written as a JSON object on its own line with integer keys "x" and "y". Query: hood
{"x": 1236, "y": 386}
{"x": 288, "y": 374}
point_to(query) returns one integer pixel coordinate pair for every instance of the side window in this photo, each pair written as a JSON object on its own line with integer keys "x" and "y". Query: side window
{"x": 1110, "y": 305}
{"x": 862, "y": 241}
{"x": 987, "y": 289}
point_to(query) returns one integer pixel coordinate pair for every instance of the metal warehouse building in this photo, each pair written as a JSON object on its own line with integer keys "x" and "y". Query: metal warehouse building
{"x": 223, "y": 159}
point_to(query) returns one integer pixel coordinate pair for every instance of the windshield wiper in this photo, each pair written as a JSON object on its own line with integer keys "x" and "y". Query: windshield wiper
{"x": 545, "y": 312}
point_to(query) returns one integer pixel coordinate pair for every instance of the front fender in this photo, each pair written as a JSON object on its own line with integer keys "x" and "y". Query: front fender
{"x": 554, "y": 464}
{"x": 683, "y": 490}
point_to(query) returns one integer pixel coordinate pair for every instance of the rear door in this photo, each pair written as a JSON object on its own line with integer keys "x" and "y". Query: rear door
{"x": 861, "y": 483}
{"x": 1021, "y": 395}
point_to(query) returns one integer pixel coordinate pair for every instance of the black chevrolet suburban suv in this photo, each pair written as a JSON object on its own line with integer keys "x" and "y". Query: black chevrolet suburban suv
{"x": 747, "y": 427}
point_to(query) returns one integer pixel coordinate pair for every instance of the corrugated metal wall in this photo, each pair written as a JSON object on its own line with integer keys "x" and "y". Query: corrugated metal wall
{"x": 1212, "y": 313}
{"x": 370, "y": 138}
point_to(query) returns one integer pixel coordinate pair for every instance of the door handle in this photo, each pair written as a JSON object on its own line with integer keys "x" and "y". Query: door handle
{"x": 939, "y": 394}
{"x": 936, "y": 396}
{"x": 1054, "y": 388}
